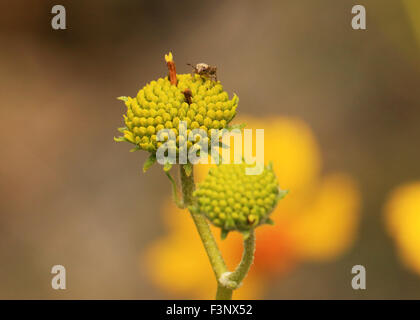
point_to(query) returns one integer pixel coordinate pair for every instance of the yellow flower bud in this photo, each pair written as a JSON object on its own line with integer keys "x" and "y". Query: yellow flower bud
{"x": 160, "y": 104}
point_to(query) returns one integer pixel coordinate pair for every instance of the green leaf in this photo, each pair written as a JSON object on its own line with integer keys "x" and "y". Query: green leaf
{"x": 149, "y": 162}
{"x": 224, "y": 146}
{"x": 188, "y": 169}
{"x": 122, "y": 129}
{"x": 239, "y": 126}
{"x": 224, "y": 234}
{"x": 269, "y": 221}
{"x": 177, "y": 200}
{"x": 167, "y": 167}
{"x": 282, "y": 194}
{"x": 119, "y": 139}
{"x": 245, "y": 234}
{"x": 193, "y": 209}
{"x": 229, "y": 223}
{"x": 123, "y": 98}
{"x": 216, "y": 156}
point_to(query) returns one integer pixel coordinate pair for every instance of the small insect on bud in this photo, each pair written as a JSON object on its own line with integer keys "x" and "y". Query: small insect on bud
{"x": 168, "y": 102}
{"x": 188, "y": 95}
{"x": 204, "y": 70}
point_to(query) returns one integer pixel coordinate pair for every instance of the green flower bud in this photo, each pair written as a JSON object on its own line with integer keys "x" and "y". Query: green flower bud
{"x": 233, "y": 200}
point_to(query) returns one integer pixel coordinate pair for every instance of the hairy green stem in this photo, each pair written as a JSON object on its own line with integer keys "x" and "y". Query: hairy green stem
{"x": 223, "y": 293}
{"x": 232, "y": 281}
{"x": 247, "y": 259}
{"x": 213, "y": 252}
{"x": 226, "y": 282}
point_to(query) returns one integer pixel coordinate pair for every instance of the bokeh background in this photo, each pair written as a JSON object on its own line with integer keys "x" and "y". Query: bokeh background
{"x": 71, "y": 196}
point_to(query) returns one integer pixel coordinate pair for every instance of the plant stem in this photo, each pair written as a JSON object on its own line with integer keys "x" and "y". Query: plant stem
{"x": 216, "y": 259}
{"x": 247, "y": 258}
{"x": 236, "y": 277}
{"x": 223, "y": 293}
{"x": 172, "y": 69}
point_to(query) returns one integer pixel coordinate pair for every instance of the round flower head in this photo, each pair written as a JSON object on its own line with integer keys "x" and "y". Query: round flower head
{"x": 233, "y": 200}
{"x": 190, "y": 102}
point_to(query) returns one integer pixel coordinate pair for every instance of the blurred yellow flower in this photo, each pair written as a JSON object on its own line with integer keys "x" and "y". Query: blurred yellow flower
{"x": 403, "y": 222}
{"x": 317, "y": 220}
{"x": 412, "y": 8}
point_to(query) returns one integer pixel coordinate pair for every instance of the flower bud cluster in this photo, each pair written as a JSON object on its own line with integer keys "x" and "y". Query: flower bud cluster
{"x": 160, "y": 105}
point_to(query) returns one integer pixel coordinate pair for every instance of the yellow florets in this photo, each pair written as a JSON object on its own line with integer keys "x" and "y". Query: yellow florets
{"x": 160, "y": 105}
{"x": 168, "y": 57}
{"x": 232, "y": 200}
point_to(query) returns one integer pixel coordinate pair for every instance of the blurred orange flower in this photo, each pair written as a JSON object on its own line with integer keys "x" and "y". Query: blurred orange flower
{"x": 403, "y": 222}
{"x": 317, "y": 221}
